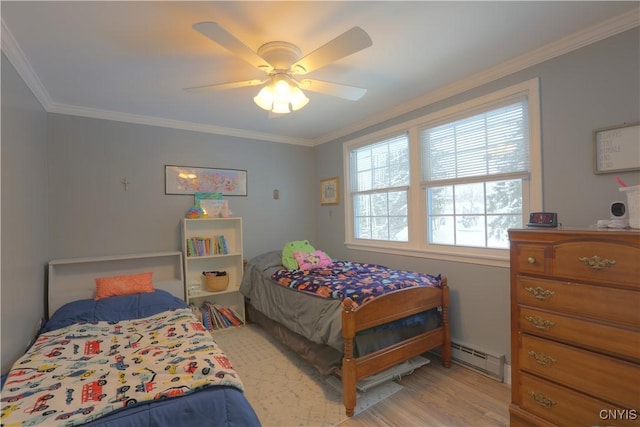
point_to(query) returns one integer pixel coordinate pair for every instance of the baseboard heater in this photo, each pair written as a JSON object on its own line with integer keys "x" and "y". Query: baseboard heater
{"x": 479, "y": 360}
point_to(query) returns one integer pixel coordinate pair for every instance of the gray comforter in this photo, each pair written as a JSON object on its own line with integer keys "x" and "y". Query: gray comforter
{"x": 316, "y": 318}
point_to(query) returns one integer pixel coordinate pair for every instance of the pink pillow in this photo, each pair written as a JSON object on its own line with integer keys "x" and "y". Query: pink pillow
{"x": 123, "y": 285}
{"x": 312, "y": 260}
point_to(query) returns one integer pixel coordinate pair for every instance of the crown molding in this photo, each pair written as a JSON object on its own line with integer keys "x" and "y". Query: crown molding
{"x": 174, "y": 124}
{"x": 593, "y": 34}
{"x": 552, "y": 50}
{"x": 17, "y": 58}
{"x": 15, "y": 55}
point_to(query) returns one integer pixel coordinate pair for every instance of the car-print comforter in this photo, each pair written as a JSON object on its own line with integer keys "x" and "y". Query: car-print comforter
{"x": 78, "y": 373}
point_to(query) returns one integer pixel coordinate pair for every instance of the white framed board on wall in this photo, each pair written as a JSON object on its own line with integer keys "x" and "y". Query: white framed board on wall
{"x": 616, "y": 148}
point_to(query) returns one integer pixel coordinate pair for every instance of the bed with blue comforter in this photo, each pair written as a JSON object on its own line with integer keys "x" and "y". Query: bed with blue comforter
{"x": 134, "y": 360}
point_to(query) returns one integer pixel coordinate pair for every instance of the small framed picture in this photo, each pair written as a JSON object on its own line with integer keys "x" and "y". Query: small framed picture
{"x": 330, "y": 191}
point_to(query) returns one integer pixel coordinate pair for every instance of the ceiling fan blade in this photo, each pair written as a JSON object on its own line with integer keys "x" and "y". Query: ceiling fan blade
{"x": 350, "y": 93}
{"x": 225, "y": 39}
{"x": 345, "y": 44}
{"x": 222, "y": 86}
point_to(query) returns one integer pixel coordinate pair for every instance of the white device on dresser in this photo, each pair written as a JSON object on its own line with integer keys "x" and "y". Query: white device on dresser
{"x": 619, "y": 217}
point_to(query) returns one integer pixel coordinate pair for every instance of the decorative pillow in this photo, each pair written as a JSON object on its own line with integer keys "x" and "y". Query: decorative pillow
{"x": 288, "y": 260}
{"x": 313, "y": 260}
{"x": 123, "y": 285}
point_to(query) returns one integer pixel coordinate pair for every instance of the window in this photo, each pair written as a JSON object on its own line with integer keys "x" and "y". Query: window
{"x": 448, "y": 185}
{"x": 379, "y": 184}
{"x": 473, "y": 172}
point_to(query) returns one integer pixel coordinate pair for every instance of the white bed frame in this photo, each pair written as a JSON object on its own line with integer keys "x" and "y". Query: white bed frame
{"x": 74, "y": 278}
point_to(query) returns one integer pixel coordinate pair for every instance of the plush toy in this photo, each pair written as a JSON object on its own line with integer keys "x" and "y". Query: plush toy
{"x": 195, "y": 212}
{"x": 288, "y": 259}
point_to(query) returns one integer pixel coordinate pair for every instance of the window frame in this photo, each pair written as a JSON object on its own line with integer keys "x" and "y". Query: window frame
{"x": 403, "y": 187}
{"x": 417, "y": 244}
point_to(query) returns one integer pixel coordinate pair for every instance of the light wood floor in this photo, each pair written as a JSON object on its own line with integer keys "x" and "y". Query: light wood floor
{"x": 437, "y": 396}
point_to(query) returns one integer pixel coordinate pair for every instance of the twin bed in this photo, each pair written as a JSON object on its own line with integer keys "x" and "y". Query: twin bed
{"x": 144, "y": 359}
{"x": 141, "y": 359}
{"x": 396, "y": 315}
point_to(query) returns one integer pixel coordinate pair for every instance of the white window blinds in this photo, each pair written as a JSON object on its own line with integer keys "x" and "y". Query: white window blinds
{"x": 494, "y": 143}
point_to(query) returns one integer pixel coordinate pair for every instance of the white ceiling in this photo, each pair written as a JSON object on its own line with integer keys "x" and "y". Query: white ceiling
{"x": 130, "y": 61}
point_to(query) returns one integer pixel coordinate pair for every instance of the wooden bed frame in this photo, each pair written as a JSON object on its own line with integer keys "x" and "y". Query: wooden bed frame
{"x": 384, "y": 309}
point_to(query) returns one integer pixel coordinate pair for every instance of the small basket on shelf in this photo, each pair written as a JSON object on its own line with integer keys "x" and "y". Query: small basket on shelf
{"x": 216, "y": 281}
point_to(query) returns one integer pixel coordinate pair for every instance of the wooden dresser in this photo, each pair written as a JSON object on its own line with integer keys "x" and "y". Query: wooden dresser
{"x": 575, "y": 327}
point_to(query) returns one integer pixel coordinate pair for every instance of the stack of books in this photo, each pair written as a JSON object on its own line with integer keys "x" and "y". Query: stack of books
{"x": 202, "y": 246}
{"x": 216, "y": 317}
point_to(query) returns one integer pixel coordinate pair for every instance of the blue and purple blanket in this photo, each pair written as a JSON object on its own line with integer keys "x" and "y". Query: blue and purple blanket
{"x": 359, "y": 281}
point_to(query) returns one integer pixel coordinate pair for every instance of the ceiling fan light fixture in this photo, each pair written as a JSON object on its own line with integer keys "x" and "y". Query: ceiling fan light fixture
{"x": 281, "y": 96}
{"x": 280, "y": 107}
{"x": 280, "y": 60}
{"x": 264, "y": 98}
{"x": 298, "y": 99}
{"x": 281, "y": 92}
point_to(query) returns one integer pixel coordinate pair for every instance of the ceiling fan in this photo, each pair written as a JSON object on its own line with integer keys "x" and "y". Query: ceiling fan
{"x": 282, "y": 62}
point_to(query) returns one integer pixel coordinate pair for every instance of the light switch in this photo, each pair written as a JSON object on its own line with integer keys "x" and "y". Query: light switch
{"x": 276, "y": 194}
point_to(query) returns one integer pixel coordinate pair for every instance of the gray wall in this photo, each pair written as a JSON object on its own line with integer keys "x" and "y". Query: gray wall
{"x": 91, "y": 213}
{"x": 25, "y": 231}
{"x": 594, "y": 87}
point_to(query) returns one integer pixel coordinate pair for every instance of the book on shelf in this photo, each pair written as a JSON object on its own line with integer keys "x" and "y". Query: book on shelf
{"x": 223, "y": 245}
{"x": 206, "y": 319}
{"x": 198, "y": 246}
{"x": 222, "y": 321}
{"x": 236, "y": 315}
{"x": 202, "y": 246}
{"x": 216, "y": 317}
{"x": 228, "y": 315}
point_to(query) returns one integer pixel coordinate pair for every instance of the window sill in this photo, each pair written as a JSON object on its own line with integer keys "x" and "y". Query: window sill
{"x": 492, "y": 257}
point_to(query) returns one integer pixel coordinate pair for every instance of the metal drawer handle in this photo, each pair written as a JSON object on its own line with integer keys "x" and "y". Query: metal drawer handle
{"x": 539, "y": 293}
{"x": 539, "y": 322}
{"x": 596, "y": 262}
{"x": 541, "y": 358}
{"x": 541, "y": 399}
{"x": 531, "y": 260}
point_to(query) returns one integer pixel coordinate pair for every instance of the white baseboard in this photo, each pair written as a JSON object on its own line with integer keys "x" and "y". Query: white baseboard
{"x": 507, "y": 374}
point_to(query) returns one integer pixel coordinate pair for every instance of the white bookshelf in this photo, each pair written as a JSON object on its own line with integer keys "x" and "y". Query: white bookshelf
{"x": 231, "y": 262}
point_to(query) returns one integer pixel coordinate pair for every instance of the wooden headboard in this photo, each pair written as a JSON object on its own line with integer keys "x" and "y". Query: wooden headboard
{"x": 74, "y": 278}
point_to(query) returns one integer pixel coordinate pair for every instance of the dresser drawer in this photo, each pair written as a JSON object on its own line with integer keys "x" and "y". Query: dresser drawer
{"x": 575, "y": 331}
{"x": 529, "y": 258}
{"x": 566, "y": 407}
{"x": 597, "y": 261}
{"x": 618, "y": 341}
{"x": 603, "y": 377}
{"x": 616, "y": 305}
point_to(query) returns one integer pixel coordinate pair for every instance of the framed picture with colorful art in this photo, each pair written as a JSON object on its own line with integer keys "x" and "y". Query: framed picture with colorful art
{"x": 191, "y": 180}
